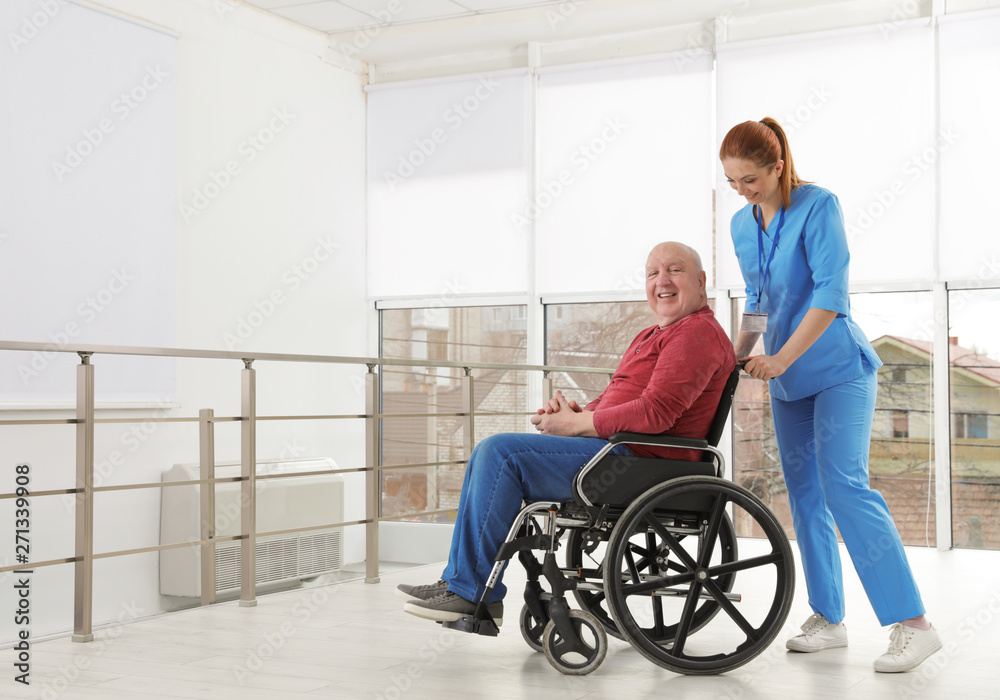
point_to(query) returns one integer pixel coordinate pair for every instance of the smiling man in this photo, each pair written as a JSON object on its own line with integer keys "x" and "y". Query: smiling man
{"x": 669, "y": 380}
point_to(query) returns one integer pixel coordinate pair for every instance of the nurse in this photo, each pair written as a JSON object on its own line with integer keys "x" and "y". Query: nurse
{"x": 821, "y": 369}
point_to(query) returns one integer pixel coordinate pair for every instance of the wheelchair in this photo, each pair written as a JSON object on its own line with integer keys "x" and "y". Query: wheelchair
{"x": 652, "y": 558}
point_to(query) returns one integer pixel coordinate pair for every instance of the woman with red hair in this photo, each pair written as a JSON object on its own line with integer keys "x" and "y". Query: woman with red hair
{"x": 821, "y": 370}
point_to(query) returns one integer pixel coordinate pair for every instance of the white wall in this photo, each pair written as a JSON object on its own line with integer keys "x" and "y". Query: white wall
{"x": 288, "y": 225}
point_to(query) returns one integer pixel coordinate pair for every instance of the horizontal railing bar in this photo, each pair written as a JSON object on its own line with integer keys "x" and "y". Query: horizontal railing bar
{"x": 331, "y": 416}
{"x": 35, "y": 494}
{"x": 161, "y": 547}
{"x": 345, "y": 470}
{"x": 426, "y": 464}
{"x": 275, "y": 357}
{"x": 216, "y": 540}
{"x": 418, "y": 515}
{"x": 310, "y": 527}
{"x": 161, "y": 484}
{"x": 193, "y": 482}
{"x": 505, "y": 413}
{"x": 419, "y": 415}
{"x": 178, "y": 419}
{"x": 37, "y": 565}
{"x": 47, "y": 421}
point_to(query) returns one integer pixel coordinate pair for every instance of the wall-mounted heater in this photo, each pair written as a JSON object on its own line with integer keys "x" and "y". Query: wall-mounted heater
{"x": 291, "y": 502}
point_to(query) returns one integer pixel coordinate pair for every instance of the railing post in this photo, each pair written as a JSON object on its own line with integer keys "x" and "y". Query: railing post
{"x": 206, "y": 444}
{"x": 248, "y": 496}
{"x": 83, "y": 588}
{"x": 373, "y": 480}
{"x": 469, "y": 411}
{"x": 548, "y": 389}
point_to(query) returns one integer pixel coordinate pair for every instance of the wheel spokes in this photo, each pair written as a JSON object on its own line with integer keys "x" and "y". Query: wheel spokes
{"x": 712, "y": 531}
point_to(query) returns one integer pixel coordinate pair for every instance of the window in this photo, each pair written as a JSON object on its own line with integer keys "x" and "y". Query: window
{"x": 969, "y": 425}
{"x": 899, "y": 424}
{"x": 901, "y": 453}
{"x": 461, "y": 333}
{"x": 974, "y": 359}
{"x": 591, "y": 335}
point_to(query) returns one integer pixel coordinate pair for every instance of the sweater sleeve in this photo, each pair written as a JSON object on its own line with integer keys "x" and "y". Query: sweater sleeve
{"x": 685, "y": 365}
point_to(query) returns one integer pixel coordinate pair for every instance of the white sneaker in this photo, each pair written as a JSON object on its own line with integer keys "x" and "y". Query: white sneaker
{"x": 908, "y": 647}
{"x": 818, "y": 634}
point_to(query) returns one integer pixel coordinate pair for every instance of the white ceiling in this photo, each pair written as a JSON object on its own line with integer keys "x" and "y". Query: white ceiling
{"x": 393, "y": 35}
{"x": 334, "y": 16}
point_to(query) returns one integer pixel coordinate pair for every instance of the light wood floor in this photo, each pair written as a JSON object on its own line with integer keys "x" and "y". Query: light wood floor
{"x": 351, "y": 640}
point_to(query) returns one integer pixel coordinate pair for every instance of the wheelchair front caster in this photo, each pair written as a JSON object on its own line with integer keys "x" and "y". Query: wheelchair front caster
{"x": 576, "y": 657}
{"x": 532, "y": 628}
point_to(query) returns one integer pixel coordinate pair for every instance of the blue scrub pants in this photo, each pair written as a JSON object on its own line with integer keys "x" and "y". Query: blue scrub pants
{"x": 503, "y": 471}
{"x": 824, "y": 442}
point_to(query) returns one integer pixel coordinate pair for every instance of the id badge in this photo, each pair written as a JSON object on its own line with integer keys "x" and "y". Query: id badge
{"x": 754, "y": 323}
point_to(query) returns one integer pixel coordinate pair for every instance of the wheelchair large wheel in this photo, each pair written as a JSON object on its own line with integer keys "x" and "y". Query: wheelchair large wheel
{"x": 760, "y": 578}
{"x": 652, "y": 559}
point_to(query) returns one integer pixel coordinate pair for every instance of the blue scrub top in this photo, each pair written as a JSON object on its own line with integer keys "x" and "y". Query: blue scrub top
{"x": 809, "y": 270}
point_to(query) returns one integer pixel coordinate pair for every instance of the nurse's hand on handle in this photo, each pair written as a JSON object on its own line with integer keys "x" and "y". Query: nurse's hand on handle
{"x": 764, "y": 366}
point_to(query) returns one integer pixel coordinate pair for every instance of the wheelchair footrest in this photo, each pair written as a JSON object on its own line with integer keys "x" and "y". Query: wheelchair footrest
{"x": 470, "y": 624}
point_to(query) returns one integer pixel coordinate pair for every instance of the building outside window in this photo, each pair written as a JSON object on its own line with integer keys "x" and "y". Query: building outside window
{"x": 472, "y": 334}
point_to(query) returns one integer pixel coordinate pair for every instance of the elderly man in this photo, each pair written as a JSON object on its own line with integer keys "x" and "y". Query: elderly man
{"x": 670, "y": 380}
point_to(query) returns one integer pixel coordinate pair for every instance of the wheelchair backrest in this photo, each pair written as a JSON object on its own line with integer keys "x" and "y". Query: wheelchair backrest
{"x": 721, "y": 417}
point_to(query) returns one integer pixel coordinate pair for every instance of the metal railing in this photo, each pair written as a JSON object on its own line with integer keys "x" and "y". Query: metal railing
{"x": 85, "y": 420}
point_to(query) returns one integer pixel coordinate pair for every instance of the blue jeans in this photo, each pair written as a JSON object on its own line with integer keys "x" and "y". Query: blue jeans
{"x": 824, "y": 442}
{"x": 503, "y": 471}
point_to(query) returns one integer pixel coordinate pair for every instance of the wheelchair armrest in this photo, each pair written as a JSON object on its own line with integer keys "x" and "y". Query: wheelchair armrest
{"x": 658, "y": 441}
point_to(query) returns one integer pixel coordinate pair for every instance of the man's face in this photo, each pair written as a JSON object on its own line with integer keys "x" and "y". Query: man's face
{"x": 674, "y": 286}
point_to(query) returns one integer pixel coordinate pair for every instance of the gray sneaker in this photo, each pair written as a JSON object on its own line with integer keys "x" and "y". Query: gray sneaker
{"x": 424, "y": 592}
{"x": 448, "y": 607}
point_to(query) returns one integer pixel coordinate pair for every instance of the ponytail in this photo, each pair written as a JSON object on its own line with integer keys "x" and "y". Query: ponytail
{"x": 763, "y": 143}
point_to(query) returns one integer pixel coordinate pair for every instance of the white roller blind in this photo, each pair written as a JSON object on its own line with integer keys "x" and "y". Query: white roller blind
{"x": 625, "y": 161}
{"x": 857, "y": 107}
{"x": 447, "y": 169}
{"x": 87, "y": 199}
{"x": 970, "y": 148}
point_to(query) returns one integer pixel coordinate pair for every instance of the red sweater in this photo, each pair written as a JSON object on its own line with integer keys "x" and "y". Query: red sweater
{"x": 670, "y": 380}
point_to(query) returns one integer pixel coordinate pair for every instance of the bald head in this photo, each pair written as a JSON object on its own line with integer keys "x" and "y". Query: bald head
{"x": 675, "y": 282}
{"x": 678, "y": 249}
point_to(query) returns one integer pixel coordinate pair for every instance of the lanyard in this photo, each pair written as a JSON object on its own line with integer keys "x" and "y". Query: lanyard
{"x": 761, "y": 269}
